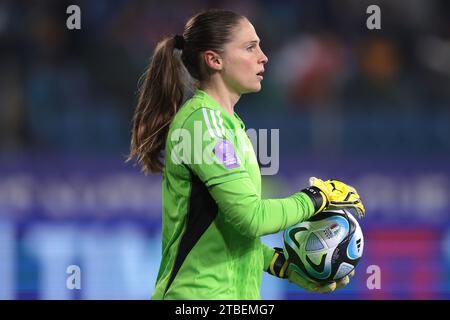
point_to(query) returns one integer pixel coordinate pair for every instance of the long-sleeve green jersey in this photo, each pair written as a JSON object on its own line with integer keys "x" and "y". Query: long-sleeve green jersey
{"x": 213, "y": 214}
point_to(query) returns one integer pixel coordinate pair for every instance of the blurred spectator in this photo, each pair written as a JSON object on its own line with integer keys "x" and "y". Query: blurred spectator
{"x": 310, "y": 67}
{"x": 376, "y": 83}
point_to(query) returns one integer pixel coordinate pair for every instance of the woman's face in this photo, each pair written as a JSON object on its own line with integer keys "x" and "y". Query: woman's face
{"x": 243, "y": 60}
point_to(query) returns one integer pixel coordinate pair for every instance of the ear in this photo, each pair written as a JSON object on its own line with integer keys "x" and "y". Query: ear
{"x": 213, "y": 60}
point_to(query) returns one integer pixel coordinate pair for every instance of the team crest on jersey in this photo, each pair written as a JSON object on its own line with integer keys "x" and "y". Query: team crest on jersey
{"x": 224, "y": 151}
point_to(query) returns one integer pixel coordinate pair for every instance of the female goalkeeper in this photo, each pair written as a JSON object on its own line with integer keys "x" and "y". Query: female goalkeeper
{"x": 213, "y": 214}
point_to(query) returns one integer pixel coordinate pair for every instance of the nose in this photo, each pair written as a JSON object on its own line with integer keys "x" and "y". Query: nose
{"x": 263, "y": 58}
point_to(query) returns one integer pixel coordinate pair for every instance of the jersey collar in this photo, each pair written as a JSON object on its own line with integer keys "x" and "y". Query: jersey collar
{"x": 214, "y": 104}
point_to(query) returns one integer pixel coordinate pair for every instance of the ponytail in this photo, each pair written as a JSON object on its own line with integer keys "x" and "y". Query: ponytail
{"x": 160, "y": 96}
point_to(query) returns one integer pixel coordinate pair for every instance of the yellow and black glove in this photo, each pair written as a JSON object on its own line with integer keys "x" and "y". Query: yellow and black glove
{"x": 279, "y": 267}
{"x": 312, "y": 286}
{"x": 339, "y": 194}
{"x": 318, "y": 197}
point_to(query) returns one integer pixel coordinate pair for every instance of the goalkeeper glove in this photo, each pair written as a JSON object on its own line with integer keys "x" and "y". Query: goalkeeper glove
{"x": 339, "y": 194}
{"x": 279, "y": 267}
{"x": 318, "y": 198}
{"x": 311, "y": 286}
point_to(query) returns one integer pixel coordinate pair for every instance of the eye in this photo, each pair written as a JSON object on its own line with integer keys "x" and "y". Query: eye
{"x": 251, "y": 48}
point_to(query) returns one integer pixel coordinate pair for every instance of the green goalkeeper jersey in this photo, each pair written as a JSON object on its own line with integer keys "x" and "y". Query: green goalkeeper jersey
{"x": 213, "y": 214}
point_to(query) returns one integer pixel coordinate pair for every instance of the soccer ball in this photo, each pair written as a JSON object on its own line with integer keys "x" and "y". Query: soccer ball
{"x": 325, "y": 248}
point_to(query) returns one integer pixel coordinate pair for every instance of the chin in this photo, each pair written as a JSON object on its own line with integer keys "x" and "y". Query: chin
{"x": 258, "y": 89}
{"x": 254, "y": 89}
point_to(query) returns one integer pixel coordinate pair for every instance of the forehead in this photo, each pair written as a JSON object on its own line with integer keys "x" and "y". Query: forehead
{"x": 244, "y": 32}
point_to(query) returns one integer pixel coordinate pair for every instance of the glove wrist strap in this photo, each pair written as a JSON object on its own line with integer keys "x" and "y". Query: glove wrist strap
{"x": 318, "y": 198}
{"x": 278, "y": 265}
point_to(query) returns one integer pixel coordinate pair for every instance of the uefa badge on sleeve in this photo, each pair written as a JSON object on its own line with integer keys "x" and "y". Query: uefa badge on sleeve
{"x": 224, "y": 151}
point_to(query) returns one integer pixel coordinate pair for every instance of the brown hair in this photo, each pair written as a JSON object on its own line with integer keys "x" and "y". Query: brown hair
{"x": 163, "y": 88}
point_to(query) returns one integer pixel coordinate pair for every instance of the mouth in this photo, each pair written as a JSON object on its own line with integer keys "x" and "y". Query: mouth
{"x": 260, "y": 74}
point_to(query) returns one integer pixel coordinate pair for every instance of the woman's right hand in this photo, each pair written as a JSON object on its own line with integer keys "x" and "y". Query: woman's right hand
{"x": 339, "y": 194}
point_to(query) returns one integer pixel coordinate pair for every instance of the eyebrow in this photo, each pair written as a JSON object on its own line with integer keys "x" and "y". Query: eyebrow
{"x": 252, "y": 42}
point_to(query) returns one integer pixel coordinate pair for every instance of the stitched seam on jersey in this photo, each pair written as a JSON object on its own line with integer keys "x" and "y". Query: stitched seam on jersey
{"x": 223, "y": 175}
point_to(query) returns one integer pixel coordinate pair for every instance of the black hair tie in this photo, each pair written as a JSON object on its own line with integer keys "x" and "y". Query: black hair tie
{"x": 179, "y": 42}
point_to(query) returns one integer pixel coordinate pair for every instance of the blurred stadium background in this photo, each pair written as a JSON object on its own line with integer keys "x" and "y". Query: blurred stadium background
{"x": 369, "y": 107}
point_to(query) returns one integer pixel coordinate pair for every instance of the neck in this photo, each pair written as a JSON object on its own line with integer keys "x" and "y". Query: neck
{"x": 224, "y": 97}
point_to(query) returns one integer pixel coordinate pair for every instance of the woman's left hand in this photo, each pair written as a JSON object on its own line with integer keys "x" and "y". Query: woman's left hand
{"x": 310, "y": 286}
